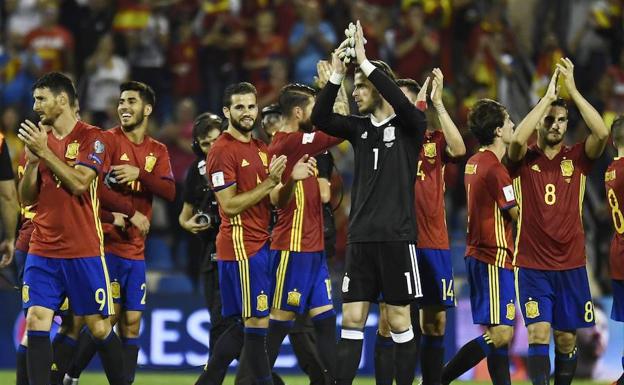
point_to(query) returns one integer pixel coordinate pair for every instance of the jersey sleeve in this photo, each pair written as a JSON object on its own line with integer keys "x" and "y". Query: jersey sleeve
{"x": 328, "y": 121}
{"x": 92, "y": 151}
{"x": 221, "y": 168}
{"x": 159, "y": 180}
{"x": 6, "y": 168}
{"x": 499, "y": 186}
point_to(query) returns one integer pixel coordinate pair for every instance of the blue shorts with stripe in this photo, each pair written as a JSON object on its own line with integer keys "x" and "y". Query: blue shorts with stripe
{"x": 559, "y": 297}
{"x": 617, "y": 310}
{"x": 127, "y": 278}
{"x": 492, "y": 294}
{"x": 84, "y": 281}
{"x": 436, "y": 277}
{"x": 246, "y": 285}
{"x": 301, "y": 280}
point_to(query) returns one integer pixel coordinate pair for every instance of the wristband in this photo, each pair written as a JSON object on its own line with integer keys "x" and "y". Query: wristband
{"x": 367, "y": 67}
{"x": 336, "y": 78}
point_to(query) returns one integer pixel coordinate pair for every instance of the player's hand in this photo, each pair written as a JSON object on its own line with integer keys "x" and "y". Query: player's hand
{"x": 119, "y": 220}
{"x": 141, "y": 222}
{"x": 553, "y": 90}
{"x": 337, "y": 65}
{"x": 422, "y": 94}
{"x": 35, "y": 137}
{"x": 566, "y": 69}
{"x": 323, "y": 70}
{"x": 436, "y": 86}
{"x": 304, "y": 168}
{"x": 30, "y": 156}
{"x": 276, "y": 168}
{"x": 125, "y": 173}
{"x": 360, "y": 52}
{"x": 192, "y": 226}
{"x": 7, "y": 249}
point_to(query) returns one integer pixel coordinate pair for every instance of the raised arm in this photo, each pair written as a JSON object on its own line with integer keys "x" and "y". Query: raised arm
{"x": 599, "y": 132}
{"x": 455, "y": 146}
{"x": 28, "y": 186}
{"x": 518, "y": 144}
{"x": 283, "y": 193}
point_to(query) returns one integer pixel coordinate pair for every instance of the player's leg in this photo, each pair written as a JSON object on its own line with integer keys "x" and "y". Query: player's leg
{"x": 535, "y": 295}
{"x": 384, "y": 349}
{"x": 617, "y": 314}
{"x": 573, "y": 310}
{"x": 432, "y": 325}
{"x": 64, "y": 344}
{"x": 283, "y": 272}
{"x": 304, "y": 344}
{"x": 42, "y": 294}
{"x": 21, "y": 369}
{"x": 354, "y": 316}
{"x": 129, "y": 327}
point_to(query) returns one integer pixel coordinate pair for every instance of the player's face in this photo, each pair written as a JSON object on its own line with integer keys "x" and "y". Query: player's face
{"x": 305, "y": 124}
{"x": 554, "y": 125}
{"x": 206, "y": 142}
{"x": 131, "y": 110}
{"x": 271, "y": 123}
{"x": 508, "y": 129}
{"x": 366, "y": 96}
{"x": 242, "y": 112}
{"x": 46, "y": 106}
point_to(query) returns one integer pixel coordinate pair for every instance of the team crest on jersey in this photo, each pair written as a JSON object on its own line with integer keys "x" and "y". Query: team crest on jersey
{"x": 532, "y": 309}
{"x": 72, "y": 150}
{"x": 345, "y": 284}
{"x": 294, "y": 298}
{"x": 511, "y": 311}
{"x": 150, "y": 162}
{"x": 567, "y": 168}
{"x": 263, "y": 158}
{"x": 262, "y": 302}
{"x": 65, "y": 304}
{"x": 25, "y": 293}
{"x": 609, "y": 176}
{"x": 470, "y": 169}
{"x": 429, "y": 149}
{"x": 389, "y": 136}
{"x": 115, "y": 290}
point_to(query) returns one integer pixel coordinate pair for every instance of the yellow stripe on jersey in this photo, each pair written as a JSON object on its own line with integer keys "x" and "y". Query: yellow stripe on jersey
{"x": 494, "y": 295}
{"x": 518, "y": 192}
{"x": 95, "y": 206}
{"x": 280, "y": 278}
{"x": 296, "y": 232}
{"x": 238, "y": 239}
{"x": 243, "y": 272}
{"x": 499, "y": 235}
{"x": 581, "y": 196}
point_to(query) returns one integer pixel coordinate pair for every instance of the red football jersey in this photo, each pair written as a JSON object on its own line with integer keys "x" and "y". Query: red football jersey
{"x": 27, "y": 214}
{"x": 550, "y": 193}
{"x": 152, "y": 158}
{"x": 429, "y": 193}
{"x": 299, "y": 225}
{"x": 230, "y": 162}
{"x": 614, "y": 186}
{"x": 63, "y": 218}
{"x": 489, "y": 192}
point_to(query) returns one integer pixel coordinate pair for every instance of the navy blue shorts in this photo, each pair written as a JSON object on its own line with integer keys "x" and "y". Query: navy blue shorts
{"x": 436, "y": 276}
{"x": 492, "y": 294}
{"x": 246, "y": 285}
{"x": 617, "y": 311}
{"x": 49, "y": 282}
{"x": 127, "y": 281}
{"x": 561, "y": 298}
{"x": 301, "y": 280}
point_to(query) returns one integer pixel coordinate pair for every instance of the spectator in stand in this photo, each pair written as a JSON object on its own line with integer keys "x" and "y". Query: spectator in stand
{"x": 417, "y": 46}
{"x": 9, "y": 124}
{"x": 263, "y": 45}
{"x": 52, "y": 42}
{"x": 311, "y": 40}
{"x": 105, "y": 71}
{"x": 278, "y": 78}
{"x": 22, "y": 16}
{"x": 547, "y": 58}
{"x": 613, "y": 86}
{"x": 184, "y": 63}
{"x": 19, "y": 68}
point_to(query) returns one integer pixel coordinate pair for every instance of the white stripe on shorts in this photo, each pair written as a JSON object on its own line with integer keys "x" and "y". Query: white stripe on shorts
{"x": 415, "y": 272}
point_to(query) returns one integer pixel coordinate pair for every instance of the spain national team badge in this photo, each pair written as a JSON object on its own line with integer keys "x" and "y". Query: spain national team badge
{"x": 65, "y": 304}
{"x": 532, "y": 309}
{"x": 115, "y": 290}
{"x": 72, "y": 150}
{"x": 470, "y": 169}
{"x": 25, "y": 293}
{"x": 511, "y": 311}
{"x": 567, "y": 168}
{"x": 150, "y": 162}
{"x": 263, "y": 158}
{"x": 262, "y": 302}
{"x": 294, "y": 298}
{"x": 609, "y": 176}
{"x": 429, "y": 149}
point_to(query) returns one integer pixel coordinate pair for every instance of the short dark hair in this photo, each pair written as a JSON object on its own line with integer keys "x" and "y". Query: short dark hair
{"x": 147, "y": 94}
{"x": 237, "y": 89}
{"x": 381, "y": 65}
{"x": 484, "y": 118}
{"x": 57, "y": 82}
{"x": 617, "y": 130}
{"x": 273, "y": 108}
{"x": 560, "y": 102}
{"x": 204, "y": 123}
{"x": 411, "y": 85}
{"x": 294, "y": 95}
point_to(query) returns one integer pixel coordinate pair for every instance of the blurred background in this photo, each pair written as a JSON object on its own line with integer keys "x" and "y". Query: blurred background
{"x": 189, "y": 50}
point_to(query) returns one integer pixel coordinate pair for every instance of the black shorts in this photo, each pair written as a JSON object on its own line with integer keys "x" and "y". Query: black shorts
{"x": 385, "y": 271}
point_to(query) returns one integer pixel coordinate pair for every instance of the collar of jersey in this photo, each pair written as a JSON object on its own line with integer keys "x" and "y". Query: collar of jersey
{"x": 379, "y": 124}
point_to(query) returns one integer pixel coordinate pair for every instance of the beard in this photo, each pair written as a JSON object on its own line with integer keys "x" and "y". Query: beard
{"x": 306, "y": 126}
{"x": 375, "y": 102}
{"x": 552, "y": 142}
{"x": 240, "y": 128}
{"x": 139, "y": 120}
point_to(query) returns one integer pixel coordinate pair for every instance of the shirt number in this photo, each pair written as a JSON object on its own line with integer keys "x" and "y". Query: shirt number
{"x": 419, "y": 172}
{"x": 100, "y": 298}
{"x": 375, "y": 158}
{"x": 549, "y": 196}
{"x": 447, "y": 289}
{"x": 616, "y": 213}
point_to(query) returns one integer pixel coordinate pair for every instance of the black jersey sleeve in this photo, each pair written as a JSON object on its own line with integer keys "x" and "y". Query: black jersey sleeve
{"x": 6, "y": 168}
{"x": 413, "y": 118}
{"x": 328, "y": 121}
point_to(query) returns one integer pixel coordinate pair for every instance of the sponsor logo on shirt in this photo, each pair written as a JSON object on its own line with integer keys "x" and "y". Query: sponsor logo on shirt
{"x": 218, "y": 179}
{"x": 150, "y": 162}
{"x": 124, "y": 156}
{"x": 308, "y": 137}
{"x": 535, "y": 167}
{"x": 244, "y": 163}
{"x": 509, "y": 193}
